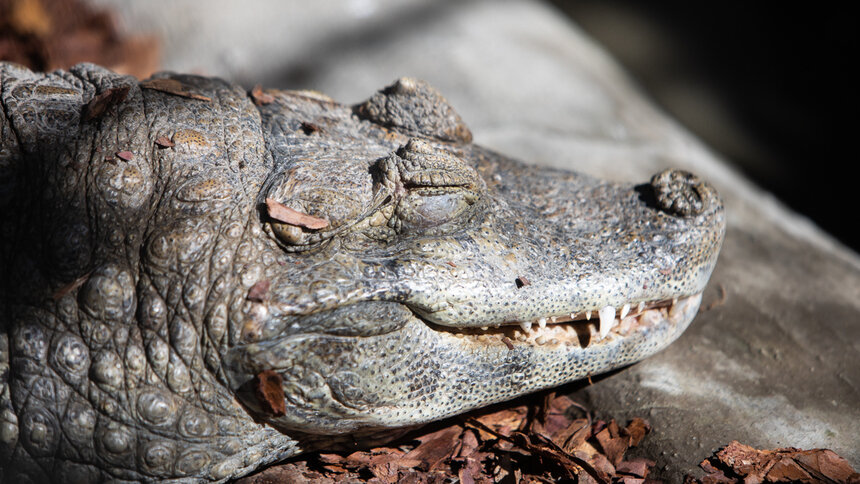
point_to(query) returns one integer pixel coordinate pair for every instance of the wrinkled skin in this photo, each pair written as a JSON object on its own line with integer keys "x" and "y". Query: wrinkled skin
{"x": 145, "y": 293}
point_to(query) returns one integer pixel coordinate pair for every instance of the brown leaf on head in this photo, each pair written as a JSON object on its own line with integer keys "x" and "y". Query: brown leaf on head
{"x": 172, "y": 86}
{"x": 125, "y": 155}
{"x": 261, "y": 97}
{"x": 164, "y": 142}
{"x": 283, "y": 213}
{"x": 104, "y": 101}
{"x": 269, "y": 389}
{"x": 259, "y": 292}
{"x": 71, "y": 286}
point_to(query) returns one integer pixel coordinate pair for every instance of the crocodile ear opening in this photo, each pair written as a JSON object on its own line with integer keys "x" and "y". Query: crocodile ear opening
{"x": 413, "y": 107}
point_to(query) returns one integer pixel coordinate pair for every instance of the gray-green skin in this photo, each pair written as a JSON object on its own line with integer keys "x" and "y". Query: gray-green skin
{"x": 134, "y": 315}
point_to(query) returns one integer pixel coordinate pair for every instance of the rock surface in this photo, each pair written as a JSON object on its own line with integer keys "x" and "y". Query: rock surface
{"x": 774, "y": 363}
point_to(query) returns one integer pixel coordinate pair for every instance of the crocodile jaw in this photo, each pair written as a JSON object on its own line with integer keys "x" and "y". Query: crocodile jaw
{"x": 423, "y": 372}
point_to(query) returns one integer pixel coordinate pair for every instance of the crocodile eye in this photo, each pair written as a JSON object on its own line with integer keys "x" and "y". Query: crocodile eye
{"x": 432, "y": 186}
{"x": 315, "y": 201}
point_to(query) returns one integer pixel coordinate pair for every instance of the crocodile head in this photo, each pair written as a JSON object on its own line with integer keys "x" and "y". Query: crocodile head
{"x": 206, "y": 281}
{"x": 441, "y": 276}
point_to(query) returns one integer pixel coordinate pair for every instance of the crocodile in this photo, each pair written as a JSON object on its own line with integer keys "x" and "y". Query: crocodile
{"x": 199, "y": 280}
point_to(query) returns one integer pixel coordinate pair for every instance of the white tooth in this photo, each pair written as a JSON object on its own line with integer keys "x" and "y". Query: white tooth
{"x": 542, "y": 322}
{"x": 553, "y": 341}
{"x": 553, "y": 319}
{"x": 588, "y": 315}
{"x": 607, "y": 318}
{"x": 624, "y": 310}
{"x": 484, "y": 328}
{"x": 674, "y": 301}
{"x": 640, "y": 307}
{"x": 540, "y": 340}
{"x": 526, "y": 326}
{"x": 572, "y": 316}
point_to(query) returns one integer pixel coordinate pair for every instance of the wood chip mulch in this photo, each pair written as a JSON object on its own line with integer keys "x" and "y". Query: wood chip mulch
{"x": 737, "y": 462}
{"x": 552, "y": 440}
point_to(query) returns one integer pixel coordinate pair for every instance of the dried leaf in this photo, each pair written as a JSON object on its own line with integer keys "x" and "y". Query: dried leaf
{"x": 259, "y": 292}
{"x": 261, "y": 97}
{"x": 309, "y": 128}
{"x": 283, "y": 213}
{"x": 827, "y": 463}
{"x": 469, "y": 443}
{"x": 636, "y": 467}
{"x": 270, "y": 392}
{"x": 71, "y": 286}
{"x": 738, "y": 461}
{"x": 164, "y": 142}
{"x": 125, "y": 155}
{"x": 574, "y": 435}
{"x": 504, "y": 421}
{"x": 546, "y": 449}
{"x": 172, "y": 86}
{"x": 636, "y": 431}
{"x": 436, "y": 447}
{"x": 104, "y": 101}
{"x": 613, "y": 447}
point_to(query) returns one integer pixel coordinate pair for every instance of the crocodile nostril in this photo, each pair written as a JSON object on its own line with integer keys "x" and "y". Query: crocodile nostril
{"x": 682, "y": 193}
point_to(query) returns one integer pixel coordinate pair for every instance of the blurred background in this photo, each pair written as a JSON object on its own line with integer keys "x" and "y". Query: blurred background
{"x": 771, "y": 89}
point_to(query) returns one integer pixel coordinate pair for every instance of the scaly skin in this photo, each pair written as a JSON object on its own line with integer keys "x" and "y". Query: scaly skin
{"x": 142, "y": 297}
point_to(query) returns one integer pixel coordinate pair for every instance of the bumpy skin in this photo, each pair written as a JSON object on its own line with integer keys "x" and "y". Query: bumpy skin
{"x": 142, "y": 296}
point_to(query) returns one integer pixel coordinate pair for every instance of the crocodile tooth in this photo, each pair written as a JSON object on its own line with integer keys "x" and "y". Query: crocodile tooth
{"x": 527, "y": 326}
{"x": 542, "y": 322}
{"x": 624, "y": 310}
{"x": 607, "y": 318}
{"x": 588, "y": 315}
{"x": 484, "y": 328}
{"x": 553, "y": 341}
{"x": 640, "y": 307}
{"x": 553, "y": 319}
{"x": 572, "y": 316}
{"x": 540, "y": 340}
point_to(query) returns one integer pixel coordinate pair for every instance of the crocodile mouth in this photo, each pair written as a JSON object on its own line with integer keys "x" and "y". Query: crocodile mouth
{"x": 584, "y": 328}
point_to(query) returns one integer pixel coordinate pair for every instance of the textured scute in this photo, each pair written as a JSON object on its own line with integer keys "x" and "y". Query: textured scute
{"x": 105, "y": 323}
{"x": 152, "y": 286}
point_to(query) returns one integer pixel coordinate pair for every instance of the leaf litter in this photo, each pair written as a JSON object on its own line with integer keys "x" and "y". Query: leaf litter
{"x": 547, "y": 440}
{"x": 737, "y": 462}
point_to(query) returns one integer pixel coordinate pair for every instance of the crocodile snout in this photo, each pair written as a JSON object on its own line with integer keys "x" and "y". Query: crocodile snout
{"x": 682, "y": 193}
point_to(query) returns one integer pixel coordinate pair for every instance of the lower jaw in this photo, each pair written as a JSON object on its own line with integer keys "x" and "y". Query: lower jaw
{"x": 583, "y": 329}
